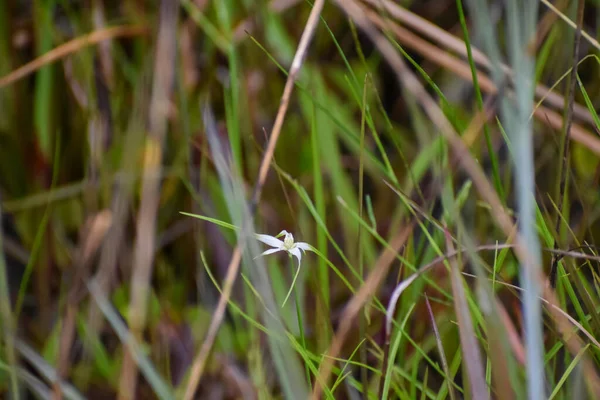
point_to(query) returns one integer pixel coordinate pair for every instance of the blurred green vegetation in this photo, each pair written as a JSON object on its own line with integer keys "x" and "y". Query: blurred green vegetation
{"x": 360, "y": 171}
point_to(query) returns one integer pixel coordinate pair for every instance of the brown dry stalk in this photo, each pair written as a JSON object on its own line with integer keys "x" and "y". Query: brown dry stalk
{"x": 143, "y": 255}
{"x": 440, "y": 347}
{"x": 360, "y": 298}
{"x": 409, "y": 81}
{"x": 105, "y": 47}
{"x": 572, "y": 24}
{"x": 246, "y": 27}
{"x": 447, "y": 41}
{"x": 466, "y": 331}
{"x": 461, "y": 69}
{"x": 215, "y": 323}
{"x": 547, "y": 23}
{"x": 234, "y": 265}
{"x": 71, "y": 47}
{"x": 513, "y": 335}
{"x": 564, "y": 169}
{"x": 92, "y": 235}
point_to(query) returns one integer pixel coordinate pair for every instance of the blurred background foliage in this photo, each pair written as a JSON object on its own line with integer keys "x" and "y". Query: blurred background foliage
{"x": 76, "y": 135}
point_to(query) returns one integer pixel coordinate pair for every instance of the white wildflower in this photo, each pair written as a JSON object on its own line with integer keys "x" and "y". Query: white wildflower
{"x": 289, "y": 246}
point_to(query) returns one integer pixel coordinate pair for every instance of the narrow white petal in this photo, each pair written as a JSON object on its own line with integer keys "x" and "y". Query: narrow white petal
{"x": 270, "y": 240}
{"x": 304, "y": 246}
{"x": 282, "y": 233}
{"x": 296, "y": 253}
{"x": 270, "y": 251}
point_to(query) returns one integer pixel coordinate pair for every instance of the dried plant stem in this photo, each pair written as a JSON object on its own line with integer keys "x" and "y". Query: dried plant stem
{"x": 461, "y": 69}
{"x": 143, "y": 256}
{"x": 92, "y": 236}
{"x": 466, "y": 331}
{"x": 71, "y": 47}
{"x": 566, "y": 140}
{"x": 234, "y": 265}
{"x": 356, "y": 303}
{"x": 407, "y": 79}
{"x": 7, "y": 321}
{"x": 447, "y": 41}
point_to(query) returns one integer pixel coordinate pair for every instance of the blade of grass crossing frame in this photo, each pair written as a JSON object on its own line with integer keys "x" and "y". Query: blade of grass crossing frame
{"x": 322, "y": 315}
{"x": 469, "y": 344}
{"x": 588, "y": 102}
{"x": 206, "y": 25}
{"x": 339, "y": 179}
{"x": 520, "y": 32}
{"x": 581, "y": 293}
{"x": 302, "y": 337}
{"x": 440, "y": 348}
{"x": 483, "y": 310}
{"x": 392, "y": 356}
{"x": 225, "y": 10}
{"x": 367, "y": 115}
{"x": 39, "y": 236}
{"x": 43, "y": 83}
{"x": 568, "y": 371}
{"x": 286, "y": 363}
{"x": 400, "y": 258}
{"x": 340, "y": 118}
{"x": 486, "y": 131}
{"x": 7, "y": 322}
{"x": 162, "y": 390}
{"x": 340, "y": 374}
{"x": 363, "y": 317}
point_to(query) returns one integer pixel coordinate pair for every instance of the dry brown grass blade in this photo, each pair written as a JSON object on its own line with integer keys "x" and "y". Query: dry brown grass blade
{"x": 514, "y": 339}
{"x": 466, "y": 332}
{"x": 578, "y": 133}
{"x": 503, "y": 220}
{"x": 70, "y": 47}
{"x": 513, "y": 335}
{"x": 462, "y": 70}
{"x": 105, "y": 47}
{"x": 448, "y": 41}
{"x": 215, "y": 323}
{"x": 233, "y": 268}
{"x": 547, "y": 22}
{"x": 592, "y": 339}
{"x": 566, "y": 140}
{"x": 143, "y": 256}
{"x": 360, "y": 298}
{"x": 499, "y": 360}
{"x": 572, "y": 24}
{"x": 108, "y": 262}
{"x": 92, "y": 236}
{"x": 440, "y": 346}
{"x": 248, "y": 25}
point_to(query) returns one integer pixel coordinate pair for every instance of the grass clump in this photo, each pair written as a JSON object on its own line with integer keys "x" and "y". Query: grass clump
{"x": 432, "y": 161}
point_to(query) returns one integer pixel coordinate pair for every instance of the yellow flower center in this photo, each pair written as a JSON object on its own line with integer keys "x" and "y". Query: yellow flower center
{"x": 288, "y": 241}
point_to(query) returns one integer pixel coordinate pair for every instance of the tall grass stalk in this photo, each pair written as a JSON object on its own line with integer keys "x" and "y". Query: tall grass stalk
{"x": 287, "y": 366}
{"x": 7, "y": 321}
{"x": 521, "y": 27}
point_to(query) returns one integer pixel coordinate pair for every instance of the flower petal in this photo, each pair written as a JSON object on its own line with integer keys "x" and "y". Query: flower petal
{"x": 270, "y": 240}
{"x": 304, "y": 246}
{"x": 296, "y": 253}
{"x": 267, "y": 252}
